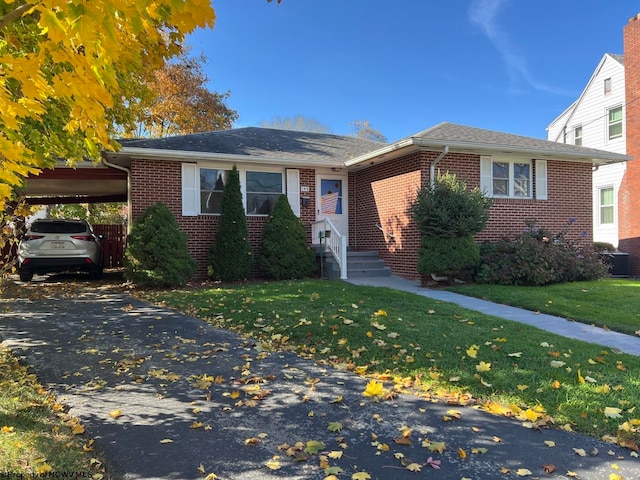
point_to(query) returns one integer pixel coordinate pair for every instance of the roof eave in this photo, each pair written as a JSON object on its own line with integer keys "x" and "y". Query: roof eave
{"x": 418, "y": 143}
{"x": 192, "y": 157}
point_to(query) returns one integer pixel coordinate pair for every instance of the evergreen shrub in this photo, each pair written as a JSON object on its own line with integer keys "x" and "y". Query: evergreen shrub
{"x": 285, "y": 253}
{"x": 447, "y": 256}
{"x": 448, "y": 215}
{"x": 157, "y": 254}
{"x": 230, "y": 255}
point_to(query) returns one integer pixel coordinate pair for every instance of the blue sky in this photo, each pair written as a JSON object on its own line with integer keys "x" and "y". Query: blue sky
{"x": 406, "y": 65}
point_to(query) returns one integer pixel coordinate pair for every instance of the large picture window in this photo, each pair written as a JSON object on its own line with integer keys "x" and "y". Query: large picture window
{"x": 212, "y": 183}
{"x": 263, "y": 190}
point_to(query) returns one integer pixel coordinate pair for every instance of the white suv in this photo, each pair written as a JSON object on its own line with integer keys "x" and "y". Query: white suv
{"x": 59, "y": 245}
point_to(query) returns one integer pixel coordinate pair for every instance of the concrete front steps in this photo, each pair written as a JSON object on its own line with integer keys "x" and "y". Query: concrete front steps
{"x": 359, "y": 265}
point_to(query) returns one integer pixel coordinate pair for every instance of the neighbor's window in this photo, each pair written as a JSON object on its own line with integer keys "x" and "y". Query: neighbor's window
{"x": 263, "y": 191}
{"x": 511, "y": 179}
{"x": 606, "y": 205}
{"x": 577, "y": 136}
{"x": 211, "y": 185}
{"x": 607, "y": 85}
{"x": 615, "y": 123}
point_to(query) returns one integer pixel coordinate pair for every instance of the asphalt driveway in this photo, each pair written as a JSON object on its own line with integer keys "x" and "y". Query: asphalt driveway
{"x": 194, "y": 398}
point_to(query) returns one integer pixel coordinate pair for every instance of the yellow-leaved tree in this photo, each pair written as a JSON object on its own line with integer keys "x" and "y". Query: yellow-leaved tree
{"x": 68, "y": 69}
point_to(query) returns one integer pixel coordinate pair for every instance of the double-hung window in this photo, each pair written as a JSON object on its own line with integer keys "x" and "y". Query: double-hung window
{"x": 263, "y": 190}
{"x": 577, "y": 135}
{"x": 504, "y": 177}
{"x": 606, "y": 206}
{"x": 511, "y": 179}
{"x": 615, "y": 123}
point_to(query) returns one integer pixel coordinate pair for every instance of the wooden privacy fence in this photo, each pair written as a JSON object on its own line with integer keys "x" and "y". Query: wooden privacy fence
{"x": 113, "y": 244}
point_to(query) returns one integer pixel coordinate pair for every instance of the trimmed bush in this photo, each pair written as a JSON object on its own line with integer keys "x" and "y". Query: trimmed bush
{"x": 285, "y": 253}
{"x": 447, "y": 256}
{"x": 448, "y": 209}
{"x": 156, "y": 254}
{"x": 230, "y": 255}
{"x": 537, "y": 257}
{"x": 448, "y": 215}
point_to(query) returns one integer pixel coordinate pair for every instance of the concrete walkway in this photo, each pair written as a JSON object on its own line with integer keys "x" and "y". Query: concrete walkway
{"x": 560, "y": 326}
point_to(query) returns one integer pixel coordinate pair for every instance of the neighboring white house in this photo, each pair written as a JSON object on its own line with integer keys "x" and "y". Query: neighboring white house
{"x": 597, "y": 120}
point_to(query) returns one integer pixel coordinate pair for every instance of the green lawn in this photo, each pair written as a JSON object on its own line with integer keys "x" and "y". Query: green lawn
{"x": 36, "y": 435}
{"x": 435, "y": 348}
{"x": 610, "y": 303}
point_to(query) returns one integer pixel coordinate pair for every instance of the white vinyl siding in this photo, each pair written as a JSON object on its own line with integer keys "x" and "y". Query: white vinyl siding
{"x": 591, "y": 111}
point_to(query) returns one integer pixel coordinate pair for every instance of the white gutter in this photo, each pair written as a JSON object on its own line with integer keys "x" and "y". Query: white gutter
{"x": 128, "y": 172}
{"x": 191, "y": 156}
{"x": 432, "y": 167}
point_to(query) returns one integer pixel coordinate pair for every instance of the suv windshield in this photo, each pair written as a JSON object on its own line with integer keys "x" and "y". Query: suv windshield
{"x": 58, "y": 227}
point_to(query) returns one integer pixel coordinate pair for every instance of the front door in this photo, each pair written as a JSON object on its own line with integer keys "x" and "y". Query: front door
{"x": 331, "y": 201}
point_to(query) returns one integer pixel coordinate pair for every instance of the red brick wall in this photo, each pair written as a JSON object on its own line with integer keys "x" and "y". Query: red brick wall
{"x": 385, "y": 193}
{"x": 628, "y": 197}
{"x": 160, "y": 181}
{"x": 381, "y": 195}
{"x": 308, "y": 214}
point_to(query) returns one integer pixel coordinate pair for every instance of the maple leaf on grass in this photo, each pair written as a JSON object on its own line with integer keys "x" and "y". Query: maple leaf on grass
{"x": 483, "y": 367}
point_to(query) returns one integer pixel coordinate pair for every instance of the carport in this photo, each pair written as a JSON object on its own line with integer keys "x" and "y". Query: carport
{"x": 86, "y": 182}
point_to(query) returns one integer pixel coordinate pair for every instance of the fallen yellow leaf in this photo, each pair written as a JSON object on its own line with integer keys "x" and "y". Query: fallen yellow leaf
{"x": 374, "y": 389}
{"x": 612, "y": 412}
{"x": 483, "y": 367}
{"x": 523, "y": 472}
{"x": 115, "y": 413}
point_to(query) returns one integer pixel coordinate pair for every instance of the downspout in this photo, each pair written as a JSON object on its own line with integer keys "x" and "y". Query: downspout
{"x": 128, "y": 172}
{"x": 432, "y": 168}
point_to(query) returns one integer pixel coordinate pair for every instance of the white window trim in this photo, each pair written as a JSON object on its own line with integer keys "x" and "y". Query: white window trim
{"x": 575, "y": 137}
{"x": 486, "y": 176}
{"x": 191, "y": 206}
{"x": 243, "y": 184}
{"x": 600, "y": 205}
{"x": 607, "y": 124}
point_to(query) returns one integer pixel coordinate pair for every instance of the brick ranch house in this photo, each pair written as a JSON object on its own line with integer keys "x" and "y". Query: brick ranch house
{"x": 361, "y": 190}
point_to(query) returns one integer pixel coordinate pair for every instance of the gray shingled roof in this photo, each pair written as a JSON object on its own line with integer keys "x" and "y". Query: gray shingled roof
{"x": 263, "y": 142}
{"x": 452, "y": 134}
{"x": 619, "y": 58}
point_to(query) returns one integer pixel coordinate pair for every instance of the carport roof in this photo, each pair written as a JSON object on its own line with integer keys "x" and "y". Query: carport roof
{"x": 86, "y": 183}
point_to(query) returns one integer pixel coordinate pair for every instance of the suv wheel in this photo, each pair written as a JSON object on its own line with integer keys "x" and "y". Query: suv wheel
{"x": 95, "y": 273}
{"x": 26, "y": 275}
